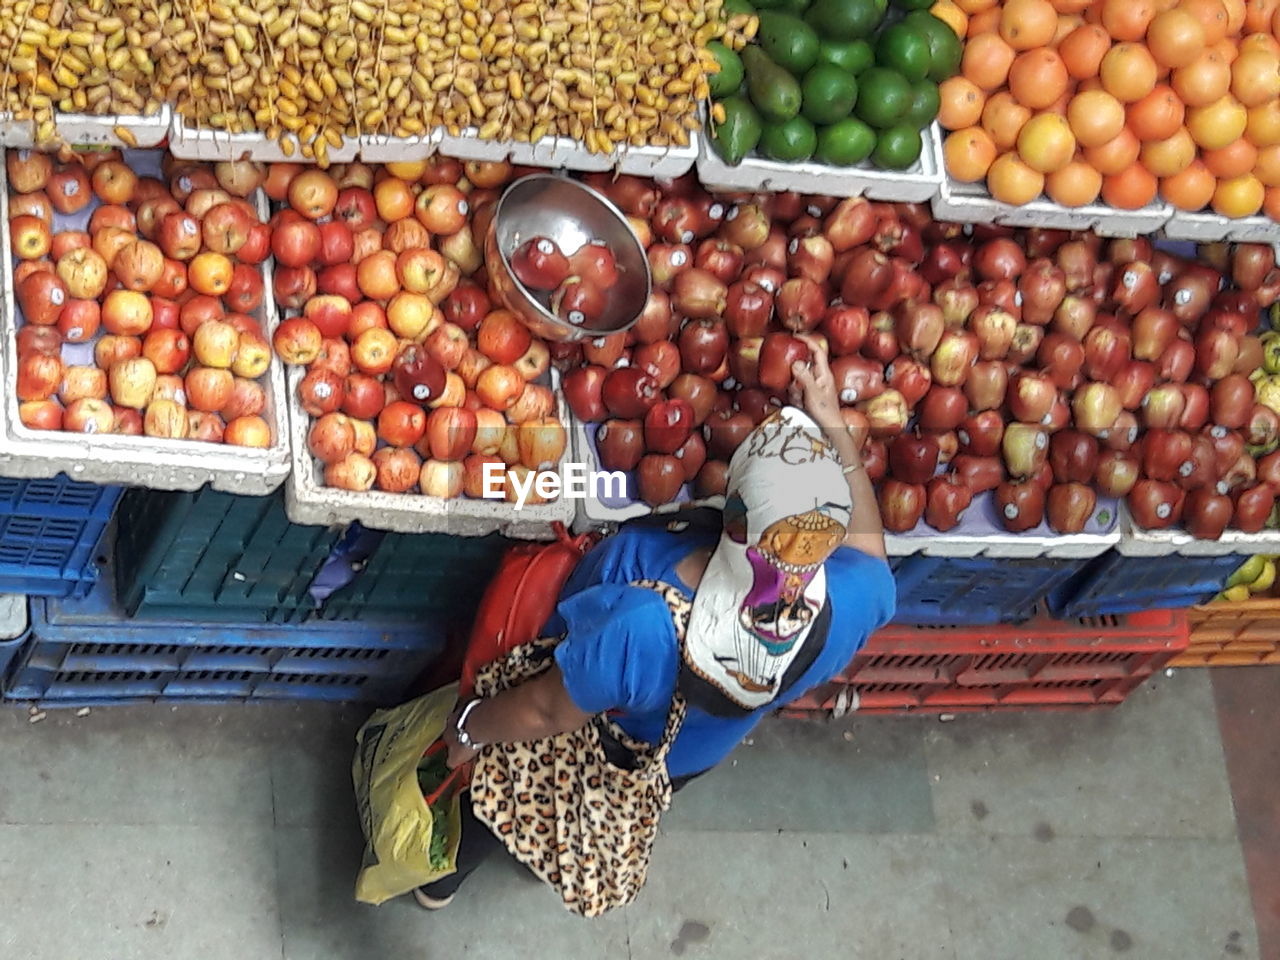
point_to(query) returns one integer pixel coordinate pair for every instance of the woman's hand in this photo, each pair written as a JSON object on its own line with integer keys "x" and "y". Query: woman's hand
{"x": 817, "y": 387}
{"x": 458, "y": 754}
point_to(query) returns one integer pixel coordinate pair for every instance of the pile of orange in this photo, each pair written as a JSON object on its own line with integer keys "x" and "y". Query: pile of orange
{"x": 1127, "y": 100}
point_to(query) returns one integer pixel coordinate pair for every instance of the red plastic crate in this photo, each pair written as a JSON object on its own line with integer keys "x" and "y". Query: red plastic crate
{"x": 1043, "y": 663}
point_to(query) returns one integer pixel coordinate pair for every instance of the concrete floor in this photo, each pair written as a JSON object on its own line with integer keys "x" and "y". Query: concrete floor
{"x": 212, "y": 833}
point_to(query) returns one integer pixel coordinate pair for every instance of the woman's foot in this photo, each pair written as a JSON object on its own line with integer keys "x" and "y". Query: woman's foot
{"x": 431, "y": 903}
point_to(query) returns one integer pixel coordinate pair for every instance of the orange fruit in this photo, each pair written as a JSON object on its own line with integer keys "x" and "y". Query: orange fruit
{"x": 1065, "y": 26}
{"x": 1012, "y": 181}
{"x": 1271, "y": 203}
{"x": 1157, "y": 115}
{"x": 1072, "y": 6}
{"x": 951, "y": 14}
{"x": 1267, "y": 167}
{"x": 1175, "y": 38}
{"x": 1075, "y": 185}
{"x": 1263, "y": 42}
{"x": 1127, "y": 19}
{"x": 986, "y": 61}
{"x": 1095, "y": 117}
{"x": 1114, "y": 155}
{"x": 988, "y": 21}
{"x": 1258, "y": 15}
{"x": 1234, "y": 160}
{"x": 1046, "y": 142}
{"x": 1262, "y": 128}
{"x": 1255, "y": 77}
{"x": 1170, "y": 156}
{"x": 1027, "y": 24}
{"x": 1004, "y": 117}
{"x": 1131, "y": 188}
{"x": 1235, "y": 16}
{"x": 1038, "y": 78}
{"x": 970, "y": 7}
{"x": 1212, "y": 15}
{"x": 961, "y": 103}
{"x": 1128, "y": 72}
{"x": 1083, "y": 48}
{"x": 1204, "y": 80}
{"x": 969, "y": 154}
{"x": 1239, "y": 196}
{"x": 1192, "y": 189}
{"x": 1217, "y": 124}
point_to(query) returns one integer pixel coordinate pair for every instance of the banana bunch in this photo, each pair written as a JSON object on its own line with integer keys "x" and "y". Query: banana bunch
{"x": 1255, "y": 577}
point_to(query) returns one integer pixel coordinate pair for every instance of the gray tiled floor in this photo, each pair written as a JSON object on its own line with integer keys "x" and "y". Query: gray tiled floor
{"x": 167, "y": 834}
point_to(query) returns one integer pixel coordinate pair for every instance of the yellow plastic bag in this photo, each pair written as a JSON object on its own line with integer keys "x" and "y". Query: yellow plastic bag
{"x": 395, "y": 818}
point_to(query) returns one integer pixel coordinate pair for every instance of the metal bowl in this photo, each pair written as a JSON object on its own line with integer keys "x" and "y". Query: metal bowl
{"x": 572, "y": 215}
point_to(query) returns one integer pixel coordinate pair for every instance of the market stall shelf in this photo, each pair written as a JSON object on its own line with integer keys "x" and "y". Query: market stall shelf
{"x": 1241, "y": 633}
{"x": 917, "y": 184}
{"x": 1140, "y": 542}
{"x": 308, "y": 500}
{"x": 88, "y": 130}
{"x": 1208, "y": 227}
{"x": 568, "y": 154}
{"x": 137, "y": 460}
{"x": 189, "y": 143}
{"x": 1115, "y": 584}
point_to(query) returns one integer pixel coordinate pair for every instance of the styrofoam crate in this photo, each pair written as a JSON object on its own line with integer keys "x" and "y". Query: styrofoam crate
{"x": 1208, "y": 227}
{"x": 1138, "y": 542}
{"x": 971, "y": 203}
{"x": 138, "y": 461}
{"x": 557, "y": 152}
{"x": 84, "y": 129}
{"x": 188, "y": 143}
{"x": 379, "y": 149}
{"x": 307, "y": 500}
{"x": 918, "y": 184}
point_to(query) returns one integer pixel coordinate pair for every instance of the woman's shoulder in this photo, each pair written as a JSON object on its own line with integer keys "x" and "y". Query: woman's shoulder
{"x": 861, "y": 586}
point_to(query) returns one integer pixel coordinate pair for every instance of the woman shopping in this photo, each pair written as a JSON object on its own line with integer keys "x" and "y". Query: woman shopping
{"x": 670, "y": 642}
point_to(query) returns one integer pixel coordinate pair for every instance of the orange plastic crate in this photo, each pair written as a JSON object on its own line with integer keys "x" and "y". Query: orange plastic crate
{"x": 1225, "y": 634}
{"x": 1043, "y": 663}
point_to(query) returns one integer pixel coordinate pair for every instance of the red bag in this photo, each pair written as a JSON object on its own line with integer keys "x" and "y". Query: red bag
{"x": 521, "y": 598}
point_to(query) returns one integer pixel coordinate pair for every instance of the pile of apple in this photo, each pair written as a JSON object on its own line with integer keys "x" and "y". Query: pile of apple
{"x": 1040, "y": 366}
{"x": 140, "y": 323}
{"x": 415, "y": 379}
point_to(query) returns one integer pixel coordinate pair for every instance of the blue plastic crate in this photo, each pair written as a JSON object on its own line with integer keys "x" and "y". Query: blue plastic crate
{"x": 87, "y": 650}
{"x": 49, "y": 532}
{"x": 1114, "y": 583}
{"x": 975, "y": 590}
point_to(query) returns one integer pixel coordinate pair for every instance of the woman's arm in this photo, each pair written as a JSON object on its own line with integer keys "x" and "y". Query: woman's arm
{"x": 533, "y": 710}
{"x": 818, "y": 388}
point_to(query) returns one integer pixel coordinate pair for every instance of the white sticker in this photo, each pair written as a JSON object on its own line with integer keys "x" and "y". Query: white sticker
{"x": 75, "y": 333}
{"x": 57, "y": 296}
{"x": 1042, "y": 441}
{"x": 1217, "y": 431}
{"x": 462, "y": 207}
{"x": 577, "y": 316}
{"x": 679, "y": 258}
{"x": 1163, "y": 510}
{"x": 24, "y": 156}
{"x": 546, "y": 246}
{"x": 1129, "y": 278}
{"x": 1182, "y": 297}
{"x": 794, "y": 245}
{"x": 732, "y": 214}
{"x": 1222, "y": 487}
{"x": 90, "y": 426}
{"x": 1010, "y": 511}
{"x": 1133, "y": 434}
{"x": 421, "y": 391}
{"x": 324, "y": 390}
{"x": 850, "y": 395}
{"x": 70, "y": 187}
{"x": 180, "y": 396}
{"x": 963, "y": 435}
{"x": 730, "y": 383}
{"x": 716, "y": 211}
{"x": 184, "y": 183}
{"x": 190, "y": 227}
{"x": 686, "y": 237}
{"x": 1186, "y": 468}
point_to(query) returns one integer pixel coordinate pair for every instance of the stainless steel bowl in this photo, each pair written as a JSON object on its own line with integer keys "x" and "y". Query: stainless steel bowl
{"x": 572, "y": 215}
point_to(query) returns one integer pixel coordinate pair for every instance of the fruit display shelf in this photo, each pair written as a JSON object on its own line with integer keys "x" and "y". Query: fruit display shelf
{"x": 1137, "y": 541}
{"x": 918, "y": 184}
{"x": 979, "y": 532}
{"x": 971, "y": 203}
{"x": 159, "y": 463}
{"x": 1209, "y": 227}
{"x": 84, "y": 129}
{"x": 568, "y": 154}
{"x": 189, "y": 143}
{"x": 308, "y": 500}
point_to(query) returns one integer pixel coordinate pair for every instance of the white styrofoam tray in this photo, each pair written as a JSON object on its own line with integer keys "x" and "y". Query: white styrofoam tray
{"x": 1208, "y": 227}
{"x": 979, "y": 532}
{"x": 916, "y": 185}
{"x": 971, "y": 203}
{"x": 139, "y": 461}
{"x": 556, "y": 152}
{"x": 188, "y": 143}
{"x": 308, "y": 500}
{"x": 84, "y": 129}
{"x": 1139, "y": 542}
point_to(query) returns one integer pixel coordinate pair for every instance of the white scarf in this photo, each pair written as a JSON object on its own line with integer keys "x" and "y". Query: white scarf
{"x": 753, "y": 612}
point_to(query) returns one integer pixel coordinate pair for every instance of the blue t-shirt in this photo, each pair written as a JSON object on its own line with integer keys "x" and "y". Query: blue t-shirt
{"x": 621, "y": 651}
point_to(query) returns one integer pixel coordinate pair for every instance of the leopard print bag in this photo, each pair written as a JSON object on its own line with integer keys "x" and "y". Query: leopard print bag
{"x": 579, "y": 822}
